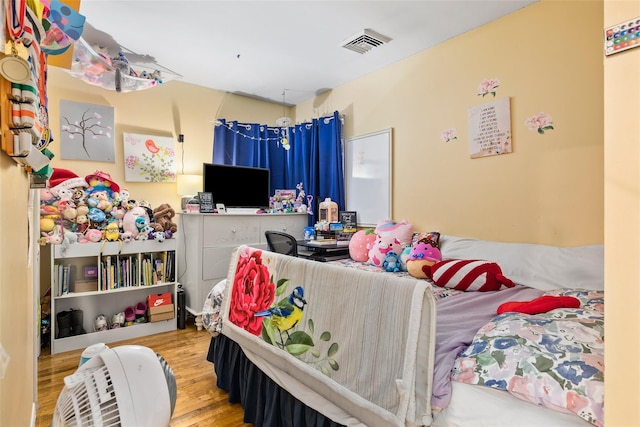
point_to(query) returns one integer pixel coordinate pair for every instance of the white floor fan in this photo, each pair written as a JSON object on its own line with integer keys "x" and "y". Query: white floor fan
{"x": 124, "y": 386}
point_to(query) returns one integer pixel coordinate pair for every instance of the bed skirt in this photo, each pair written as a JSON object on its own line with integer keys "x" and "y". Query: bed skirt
{"x": 265, "y": 403}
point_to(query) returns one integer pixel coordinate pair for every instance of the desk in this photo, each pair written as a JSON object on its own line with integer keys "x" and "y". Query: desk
{"x": 319, "y": 250}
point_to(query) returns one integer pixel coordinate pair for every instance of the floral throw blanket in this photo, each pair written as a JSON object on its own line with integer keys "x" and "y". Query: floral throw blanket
{"x": 553, "y": 359}
{"x": 354, "y": 345}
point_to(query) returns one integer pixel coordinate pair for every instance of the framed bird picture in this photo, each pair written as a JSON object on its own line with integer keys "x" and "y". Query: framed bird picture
{"x": 149, "y": 158}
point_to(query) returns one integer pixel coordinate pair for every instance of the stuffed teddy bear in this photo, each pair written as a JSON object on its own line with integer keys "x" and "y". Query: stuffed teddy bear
{"x": 162, "y": 216}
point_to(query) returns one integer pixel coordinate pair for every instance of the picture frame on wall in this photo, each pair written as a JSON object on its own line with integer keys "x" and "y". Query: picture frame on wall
{"x": 86, "y": 132}
{"x": 149, "y": 158}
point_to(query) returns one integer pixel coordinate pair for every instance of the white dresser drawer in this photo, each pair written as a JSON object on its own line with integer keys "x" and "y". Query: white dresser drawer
{"x": 291, "y": 224}
{"x": 215, "y": 262}
{"x": 223, "y": 230}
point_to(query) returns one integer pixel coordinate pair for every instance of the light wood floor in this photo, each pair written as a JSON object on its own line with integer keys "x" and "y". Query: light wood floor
{"x": 199, "y": 402}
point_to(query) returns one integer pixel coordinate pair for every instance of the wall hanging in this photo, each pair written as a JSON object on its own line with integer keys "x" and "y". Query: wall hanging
{"x": 149, "y": 158}
{"x": 490, "y": 129}
{"x": 86, "y": 132}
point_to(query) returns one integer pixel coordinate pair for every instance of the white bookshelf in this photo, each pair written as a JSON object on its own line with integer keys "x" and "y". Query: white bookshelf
{"x": 107, "y": 296}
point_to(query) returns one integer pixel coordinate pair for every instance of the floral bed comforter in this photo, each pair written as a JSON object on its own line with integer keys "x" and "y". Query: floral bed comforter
{"x": 553, "y": 359}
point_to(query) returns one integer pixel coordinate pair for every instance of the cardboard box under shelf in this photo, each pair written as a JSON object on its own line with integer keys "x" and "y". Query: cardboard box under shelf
{"x": 161, "y": 312}
{"x": 157, "y": 300}
{"x": 84, "y": 286}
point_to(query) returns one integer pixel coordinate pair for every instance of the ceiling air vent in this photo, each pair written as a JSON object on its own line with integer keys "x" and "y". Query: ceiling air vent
{"x": 364, "y": 41}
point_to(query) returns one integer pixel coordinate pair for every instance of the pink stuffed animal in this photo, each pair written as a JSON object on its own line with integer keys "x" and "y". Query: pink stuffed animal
{"x": 360, "y": 244}
{"x": 130, "y": 217}
{"x": 381, "y": 247}
{"x": 91, "y": 235}
{"x": 421, "y": 257}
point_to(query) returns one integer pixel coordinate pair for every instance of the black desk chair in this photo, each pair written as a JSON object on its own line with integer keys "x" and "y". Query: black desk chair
{"x": 281, "y": 243}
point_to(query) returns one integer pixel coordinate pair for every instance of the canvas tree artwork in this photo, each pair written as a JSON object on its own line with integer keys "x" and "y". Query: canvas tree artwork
{"x": 86, "y": 132}
{"x": 149, "y": 158}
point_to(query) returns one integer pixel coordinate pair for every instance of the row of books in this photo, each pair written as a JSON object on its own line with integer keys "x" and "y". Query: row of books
{"x": 116, "y": 271}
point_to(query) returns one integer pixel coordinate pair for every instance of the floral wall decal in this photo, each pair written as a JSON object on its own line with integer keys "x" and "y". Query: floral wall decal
{"x": 488, "y": 86}
{"x": 448, "y": 135}
{"x": 86, "y": 132}
{"x": 149, "y": 158}
{"x": 539, "y": 122}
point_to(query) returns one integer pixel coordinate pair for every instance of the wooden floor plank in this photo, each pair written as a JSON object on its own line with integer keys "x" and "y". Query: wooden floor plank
{"x": 199, "y": 402}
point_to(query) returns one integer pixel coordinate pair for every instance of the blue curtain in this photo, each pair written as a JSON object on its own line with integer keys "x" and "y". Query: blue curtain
{"x": 314, "y": 157}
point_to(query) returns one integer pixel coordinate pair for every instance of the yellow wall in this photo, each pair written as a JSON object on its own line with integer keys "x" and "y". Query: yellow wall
{"x": 622, "y": 225}
{"x": 17, "y": 314}
{"x": 550, "y": 189}
{"x": 165, "y": 110}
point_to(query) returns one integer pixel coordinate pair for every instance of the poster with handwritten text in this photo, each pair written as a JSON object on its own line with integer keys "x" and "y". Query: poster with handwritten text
{"x": 490, "y": 129}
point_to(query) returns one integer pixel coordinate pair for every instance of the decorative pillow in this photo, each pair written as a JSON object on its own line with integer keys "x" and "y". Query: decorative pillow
{"x": 469, "y": 275}
{"x": 538, "y": 266}
{"x": 432, "y": 237}
{"x": 360, "y": 244}
{"x": 211, "y": 319}
{"x": 400, "y": 230}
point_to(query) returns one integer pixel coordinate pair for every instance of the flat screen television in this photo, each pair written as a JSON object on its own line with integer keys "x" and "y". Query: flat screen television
{"x": 237, "y": 186}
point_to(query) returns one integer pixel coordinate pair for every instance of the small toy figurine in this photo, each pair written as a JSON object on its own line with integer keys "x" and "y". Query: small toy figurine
{"x": 111, "y": 232}
{"x": 391, "y": 262}
{"x": 300, "y": 197}
{"x": 309, "y": 207}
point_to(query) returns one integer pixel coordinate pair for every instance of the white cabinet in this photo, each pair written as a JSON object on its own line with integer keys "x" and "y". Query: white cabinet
{"x": 106, "y": 278}
{"x": 207, "y": 241}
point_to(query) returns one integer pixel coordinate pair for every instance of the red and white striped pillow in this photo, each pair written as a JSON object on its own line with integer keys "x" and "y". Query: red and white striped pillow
{"x": 469, "y": 275}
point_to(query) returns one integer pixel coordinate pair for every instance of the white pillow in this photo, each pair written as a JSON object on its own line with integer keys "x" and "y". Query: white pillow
{"x": 541, "y": 267}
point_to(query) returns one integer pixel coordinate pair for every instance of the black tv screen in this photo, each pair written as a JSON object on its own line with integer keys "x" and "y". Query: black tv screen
{"x": 237, "y": 186}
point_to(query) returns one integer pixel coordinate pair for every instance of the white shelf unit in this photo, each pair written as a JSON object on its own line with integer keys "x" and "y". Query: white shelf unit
{"x": 110, "y": 301}
{"x": 207, "y": 241}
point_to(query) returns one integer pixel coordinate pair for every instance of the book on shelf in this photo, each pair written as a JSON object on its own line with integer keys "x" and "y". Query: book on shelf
{"x": 170, "y": 273}
{"x": 64, "y": 275}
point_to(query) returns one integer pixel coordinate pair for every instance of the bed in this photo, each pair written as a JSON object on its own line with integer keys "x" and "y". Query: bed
{"x": 442, "y": 357}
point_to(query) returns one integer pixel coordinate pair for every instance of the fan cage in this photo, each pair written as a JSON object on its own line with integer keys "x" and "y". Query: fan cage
{"x": 88, "y": 399}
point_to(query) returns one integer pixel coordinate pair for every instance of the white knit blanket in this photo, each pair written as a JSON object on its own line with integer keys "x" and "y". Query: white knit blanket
{"x": 362, "y": 350}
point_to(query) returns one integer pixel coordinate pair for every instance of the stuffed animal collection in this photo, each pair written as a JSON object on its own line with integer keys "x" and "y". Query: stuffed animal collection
{"x": 94, "y": 209}
{"x": 394, "y": 247}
